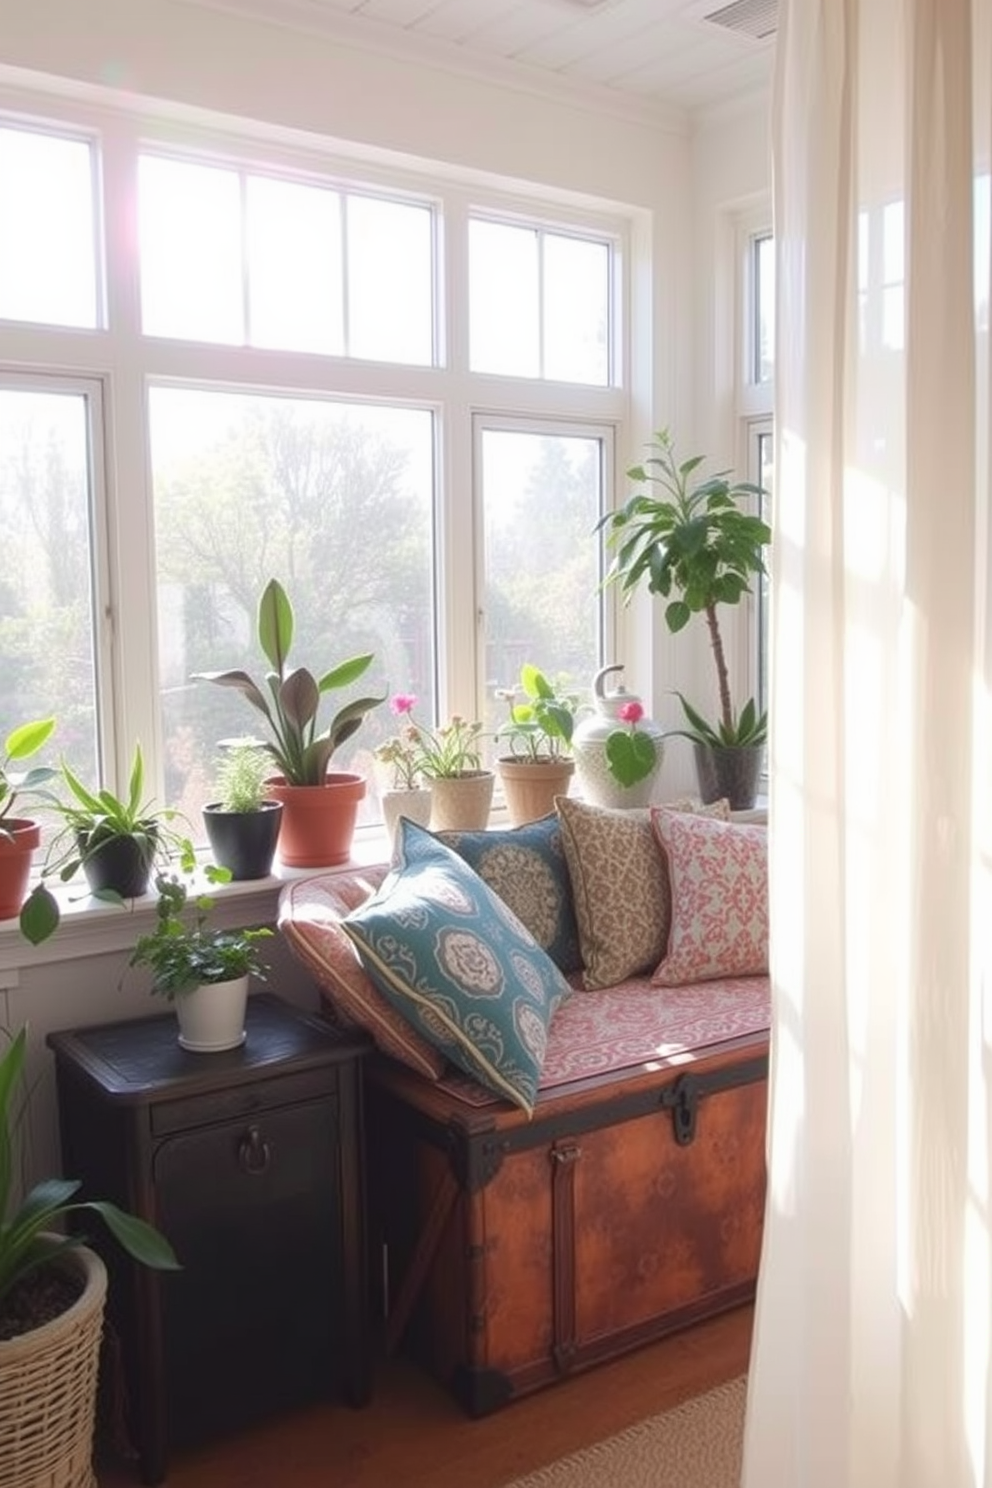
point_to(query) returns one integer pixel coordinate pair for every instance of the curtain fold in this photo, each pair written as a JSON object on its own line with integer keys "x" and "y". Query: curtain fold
{"x": 870, "y": 1363}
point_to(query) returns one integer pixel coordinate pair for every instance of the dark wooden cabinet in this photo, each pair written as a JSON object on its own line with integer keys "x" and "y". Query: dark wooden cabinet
{"x": 250, "y": 1161}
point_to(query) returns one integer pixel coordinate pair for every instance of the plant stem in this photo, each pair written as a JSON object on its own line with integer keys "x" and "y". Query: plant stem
{"x": 716, "y": 641}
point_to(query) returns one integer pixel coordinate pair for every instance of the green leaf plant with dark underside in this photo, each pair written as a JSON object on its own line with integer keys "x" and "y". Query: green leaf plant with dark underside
{"x": 29, "y": 1236}
{"x": 301, "y": 754}
{"x": 699, "y": 548}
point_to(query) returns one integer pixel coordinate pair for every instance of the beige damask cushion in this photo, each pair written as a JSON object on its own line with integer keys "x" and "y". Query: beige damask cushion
{"x": 620, "y": 887}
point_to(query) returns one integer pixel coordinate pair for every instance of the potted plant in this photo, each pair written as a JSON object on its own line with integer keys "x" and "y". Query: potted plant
{"x": 403, "y": 790}
{"x": 450, "y": 758}
{"x": 115, "y": 840}
{"x": 243, "y": 825}
{"x": 19, "y": 835}
{"x": 320, "y": 808}
{"x": 52, "y": 1292}
{"x": 538, "y": 734}
{"x": 203, "y": 970}
{"x": 694, "y": 543}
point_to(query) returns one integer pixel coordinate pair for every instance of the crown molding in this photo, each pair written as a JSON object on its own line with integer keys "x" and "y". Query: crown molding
{"x": 363, "y": 33}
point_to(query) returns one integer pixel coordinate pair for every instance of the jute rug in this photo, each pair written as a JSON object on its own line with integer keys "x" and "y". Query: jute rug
{"x": 696, "y": 1445}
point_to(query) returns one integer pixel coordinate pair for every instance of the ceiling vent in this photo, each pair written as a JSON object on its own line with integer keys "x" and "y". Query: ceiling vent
{"x": 755, "y": 18}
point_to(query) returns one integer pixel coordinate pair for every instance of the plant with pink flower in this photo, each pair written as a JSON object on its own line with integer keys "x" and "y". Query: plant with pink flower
{"x": 401, "y": 753}
{"x": 630, "y": 752}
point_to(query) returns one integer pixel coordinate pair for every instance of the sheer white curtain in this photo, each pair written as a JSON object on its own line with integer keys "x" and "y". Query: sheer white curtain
{"x": 871, "y": 1359}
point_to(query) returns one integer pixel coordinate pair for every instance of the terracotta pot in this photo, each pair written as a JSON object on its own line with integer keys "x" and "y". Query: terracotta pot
{"x": 530, "y": 786}
{"x": 318, "y": 821}
{"x": 460, "y": 803}
{"x": 15, "y": 863}
{"x": 212, "y": 1016}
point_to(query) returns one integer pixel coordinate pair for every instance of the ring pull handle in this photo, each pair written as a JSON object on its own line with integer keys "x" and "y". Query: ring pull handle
{"x": 254, "y": 1152}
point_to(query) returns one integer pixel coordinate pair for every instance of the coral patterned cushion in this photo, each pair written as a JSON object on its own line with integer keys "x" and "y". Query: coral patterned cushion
{"x": 718, "y": 874}
{"x": 619, "y": 885}
{"x": 310, "y": 914}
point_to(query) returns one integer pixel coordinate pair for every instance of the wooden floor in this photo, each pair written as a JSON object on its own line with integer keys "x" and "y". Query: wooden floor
{"x": 412, "y": 1435}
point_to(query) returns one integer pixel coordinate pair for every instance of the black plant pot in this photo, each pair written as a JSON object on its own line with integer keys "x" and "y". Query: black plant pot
{"x": 244, "y": 841}
{"x": 732, "y": 771}
{"x": 122, "y": 865}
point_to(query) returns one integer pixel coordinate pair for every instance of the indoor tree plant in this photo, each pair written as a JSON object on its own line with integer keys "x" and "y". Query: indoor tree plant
{"x": 289, "y": 701}
{"x": 52, "y": 1292}
{"x": 538, "y": 735}
{"x": 243, "y": 824}
{"x": 200, "y": 968}
{"x": 19, "y": 836}
{"x": 694, "y": 543}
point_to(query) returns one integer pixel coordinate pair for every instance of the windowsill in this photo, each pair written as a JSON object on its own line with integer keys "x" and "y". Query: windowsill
{"x": 92, "y": 928}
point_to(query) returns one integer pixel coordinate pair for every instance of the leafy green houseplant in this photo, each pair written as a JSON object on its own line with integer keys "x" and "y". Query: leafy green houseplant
{"x": 693, "y": 542}
{"x": 115, "y": 840}
{"x": 202, "y": 969}
{"x": 541, "y": 724}
{"x": 28, "y": 1237}
{"x": 37, "y": 912}
{"x": 696, "y": 547}
{"x": 290, "y": 709}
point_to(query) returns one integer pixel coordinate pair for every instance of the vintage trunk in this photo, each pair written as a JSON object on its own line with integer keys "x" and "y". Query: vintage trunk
{"x": 517, "y": 1251}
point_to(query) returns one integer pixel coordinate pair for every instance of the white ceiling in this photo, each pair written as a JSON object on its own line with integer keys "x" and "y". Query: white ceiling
{"x": 691, "y": 54}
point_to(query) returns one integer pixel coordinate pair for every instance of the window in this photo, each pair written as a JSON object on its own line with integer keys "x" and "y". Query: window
{"x": 756, "y": 405}
{"x": 285, "y": 399}
{"x": 48, "y": 641}
{"x": 542, "y": 495}
{"x": 539, "y": 303}
{"x": 48, "y": 255}
{"x": 242, "y": 259}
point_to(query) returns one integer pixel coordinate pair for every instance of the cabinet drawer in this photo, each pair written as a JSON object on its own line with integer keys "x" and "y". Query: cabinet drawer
{"x": 241, "y": 1100}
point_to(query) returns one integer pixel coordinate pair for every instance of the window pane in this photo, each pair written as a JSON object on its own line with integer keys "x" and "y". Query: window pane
{"x": 332, "y": 499}
{"x": 764, "y": 296}
{"x": 47, "y": 657}
{"x": 294, "y": 266}
{"x": 390, "y": 281}
{"x": 47, "y": 231}
{"x": 542, "y": 497}
{"x": 191, "y": 262}
{"x": 576, "y": 310}
{"x": 503, "y": 299}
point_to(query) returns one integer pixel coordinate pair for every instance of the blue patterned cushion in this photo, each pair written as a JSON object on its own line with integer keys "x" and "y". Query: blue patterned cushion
{"x": 526, "y": 866}
{"x": 451, "y": 956}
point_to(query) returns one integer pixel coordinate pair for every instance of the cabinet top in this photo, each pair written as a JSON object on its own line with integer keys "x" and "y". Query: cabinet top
{"x": 140, "y": 1058}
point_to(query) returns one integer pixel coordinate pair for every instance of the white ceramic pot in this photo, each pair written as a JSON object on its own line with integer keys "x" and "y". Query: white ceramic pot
{"x": 414, "y": 804}
{"x": 596, "y": 782}
{"x": 212, "y": 1016}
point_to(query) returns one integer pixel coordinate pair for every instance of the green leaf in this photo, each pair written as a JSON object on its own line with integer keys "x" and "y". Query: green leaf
{"x": 40, "y": 915}
{"x": 631, "y": 756}
{"x": 140, "y": 1239}
{"x": 677, "y": 615}
{"x": 28, "y": 738}
{"x": 275, "y": 625}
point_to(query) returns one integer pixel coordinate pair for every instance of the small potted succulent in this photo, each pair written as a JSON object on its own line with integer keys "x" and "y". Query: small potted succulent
{"x": 243, "y": 824}
{"x": 320, "y": 807}
{"x": 200, "y": 968}
{"x": 538, "y": 737}
{"x": 694, "y": 543}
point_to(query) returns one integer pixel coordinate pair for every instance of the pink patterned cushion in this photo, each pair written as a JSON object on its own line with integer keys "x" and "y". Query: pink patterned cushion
{"x": 718, "y": 872}
{"x": 310, "y": 912}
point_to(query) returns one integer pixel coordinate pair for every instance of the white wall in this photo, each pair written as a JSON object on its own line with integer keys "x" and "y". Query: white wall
{"x": 190, "y": 62}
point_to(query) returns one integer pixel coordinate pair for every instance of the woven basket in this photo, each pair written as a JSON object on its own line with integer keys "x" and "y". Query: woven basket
{"x": 48, "y": 1381}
